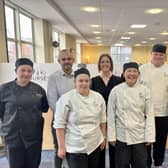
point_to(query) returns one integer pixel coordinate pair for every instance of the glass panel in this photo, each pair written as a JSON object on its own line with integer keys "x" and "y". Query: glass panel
{"x": 9, "y": 18}
{"x": 114, "y": 50}
{"x": 27, "y": 50}
{"x": 25, "y": 28}
{"x": 125, "y": 50}
{"x": 121, "y": 55}
{"x": 12, "y": 51}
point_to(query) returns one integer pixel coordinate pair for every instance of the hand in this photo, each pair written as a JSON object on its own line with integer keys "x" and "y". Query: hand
{"x": 148, "y": 143}
{"x": 113, "y": 143}
{"x": 103, "y": 144}
{"x": 61, "y": 152}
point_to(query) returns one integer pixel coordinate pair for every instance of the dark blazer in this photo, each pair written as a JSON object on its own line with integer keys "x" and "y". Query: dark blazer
{"x": 97, "y": 84}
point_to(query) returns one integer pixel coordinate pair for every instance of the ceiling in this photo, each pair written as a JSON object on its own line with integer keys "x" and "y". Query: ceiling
{"x": 67, "y": 16}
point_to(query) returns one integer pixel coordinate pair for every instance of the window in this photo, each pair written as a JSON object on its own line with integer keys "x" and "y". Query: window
{"x": 25, "y": 28}
{"x": 26, "y": 36}
{"x": 27, "y": 50}
{"x": 19, "y": 34}
{"x": 10, "y": 29}
{"x": 121, "y": 55}
{"x": 9, "y": 13}
{"x": 11, "y": 51}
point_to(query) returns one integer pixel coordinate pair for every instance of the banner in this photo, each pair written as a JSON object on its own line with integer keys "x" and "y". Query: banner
{"x": 42, "y": 71}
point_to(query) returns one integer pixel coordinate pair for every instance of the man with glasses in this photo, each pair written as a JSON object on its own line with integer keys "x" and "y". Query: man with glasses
{"x": 59, "y": 83}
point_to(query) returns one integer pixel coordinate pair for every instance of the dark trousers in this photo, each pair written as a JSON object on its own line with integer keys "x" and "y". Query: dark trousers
{"x": 134, "y": 155}
{"x": 149, "y": 157}
{"x": 57, "y": 160}
{"x": 112, "y": 156}
{"x": 81, "y": 160}
{"x": 102, "y": 159}
{"x": 21, "y": 157}
{"x": 161, "y": 124}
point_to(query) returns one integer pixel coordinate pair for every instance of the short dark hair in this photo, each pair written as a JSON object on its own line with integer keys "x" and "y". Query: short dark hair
{"x": 81, "y": 71}
{"x": 23, "y": 61}
{"x": 110, "y": 59}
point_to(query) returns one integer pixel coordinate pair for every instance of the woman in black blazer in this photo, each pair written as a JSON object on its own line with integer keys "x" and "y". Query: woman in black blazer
{"x": 104, "y": 83}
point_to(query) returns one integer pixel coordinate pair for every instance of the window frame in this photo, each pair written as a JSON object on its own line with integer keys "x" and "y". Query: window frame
{"x": 119, "y": 57}
{"x": 17, "y": 28}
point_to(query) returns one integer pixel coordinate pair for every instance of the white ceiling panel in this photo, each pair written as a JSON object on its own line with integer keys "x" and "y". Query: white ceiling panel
{"x": 67, "y": 16}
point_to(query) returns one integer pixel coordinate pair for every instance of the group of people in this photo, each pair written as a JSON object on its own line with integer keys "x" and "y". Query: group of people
{"x": 130, "y": 113}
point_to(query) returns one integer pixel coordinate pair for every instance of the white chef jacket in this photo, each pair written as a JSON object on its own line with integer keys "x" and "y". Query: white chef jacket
{"x": 130, "y": 117}
{"x": 81, "y": 117}
{"x": 156, "y": 79}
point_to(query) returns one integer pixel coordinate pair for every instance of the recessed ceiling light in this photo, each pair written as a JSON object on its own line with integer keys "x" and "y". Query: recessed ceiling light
{"x": 125, "y": 38}
{"x": 152, "y": 38}
{"x": 165, "y": 33}
{"x": 90, "y": 9}
{"x": 154, "y": 11}
{"x": 131, "y": 33}
{"x": 99, "y": 44}
{"x": 96, "y": 32}
{"x": 144, "y": 42}
{"x": 113, "y": 30}
{"x": 98, "y": 38}
{"x": 137, "y": 44}
{"x": 119, "y": 45}
{"x": 138, "y": 26}
{"x": 95, "y": 26}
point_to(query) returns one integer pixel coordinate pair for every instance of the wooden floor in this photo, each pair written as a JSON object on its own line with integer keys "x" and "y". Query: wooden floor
{"x": 47, "y": 160}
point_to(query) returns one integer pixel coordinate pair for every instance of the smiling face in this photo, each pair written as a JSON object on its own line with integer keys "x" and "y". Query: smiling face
{"x": 82, "y": 84}
{"x": 105, "y": 64}
{"x": 24, "y": 74}
{"x": 66, "y": 61}
{"x": 158, "y": 58}
{"x": 131, "y": 76}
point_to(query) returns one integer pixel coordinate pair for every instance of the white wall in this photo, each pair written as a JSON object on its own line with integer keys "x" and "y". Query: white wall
{"x": 42, "y": 71}
{"x": 40, "y": 76}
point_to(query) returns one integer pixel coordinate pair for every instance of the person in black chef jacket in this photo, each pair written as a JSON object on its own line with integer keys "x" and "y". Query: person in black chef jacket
{"x": 104, "y": 83}
{"x": 21, "y": 123}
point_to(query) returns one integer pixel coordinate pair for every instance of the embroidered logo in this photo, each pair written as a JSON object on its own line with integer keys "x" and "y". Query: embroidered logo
{"x": 141, "y": 95}
{"x": 38, "y": 95}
